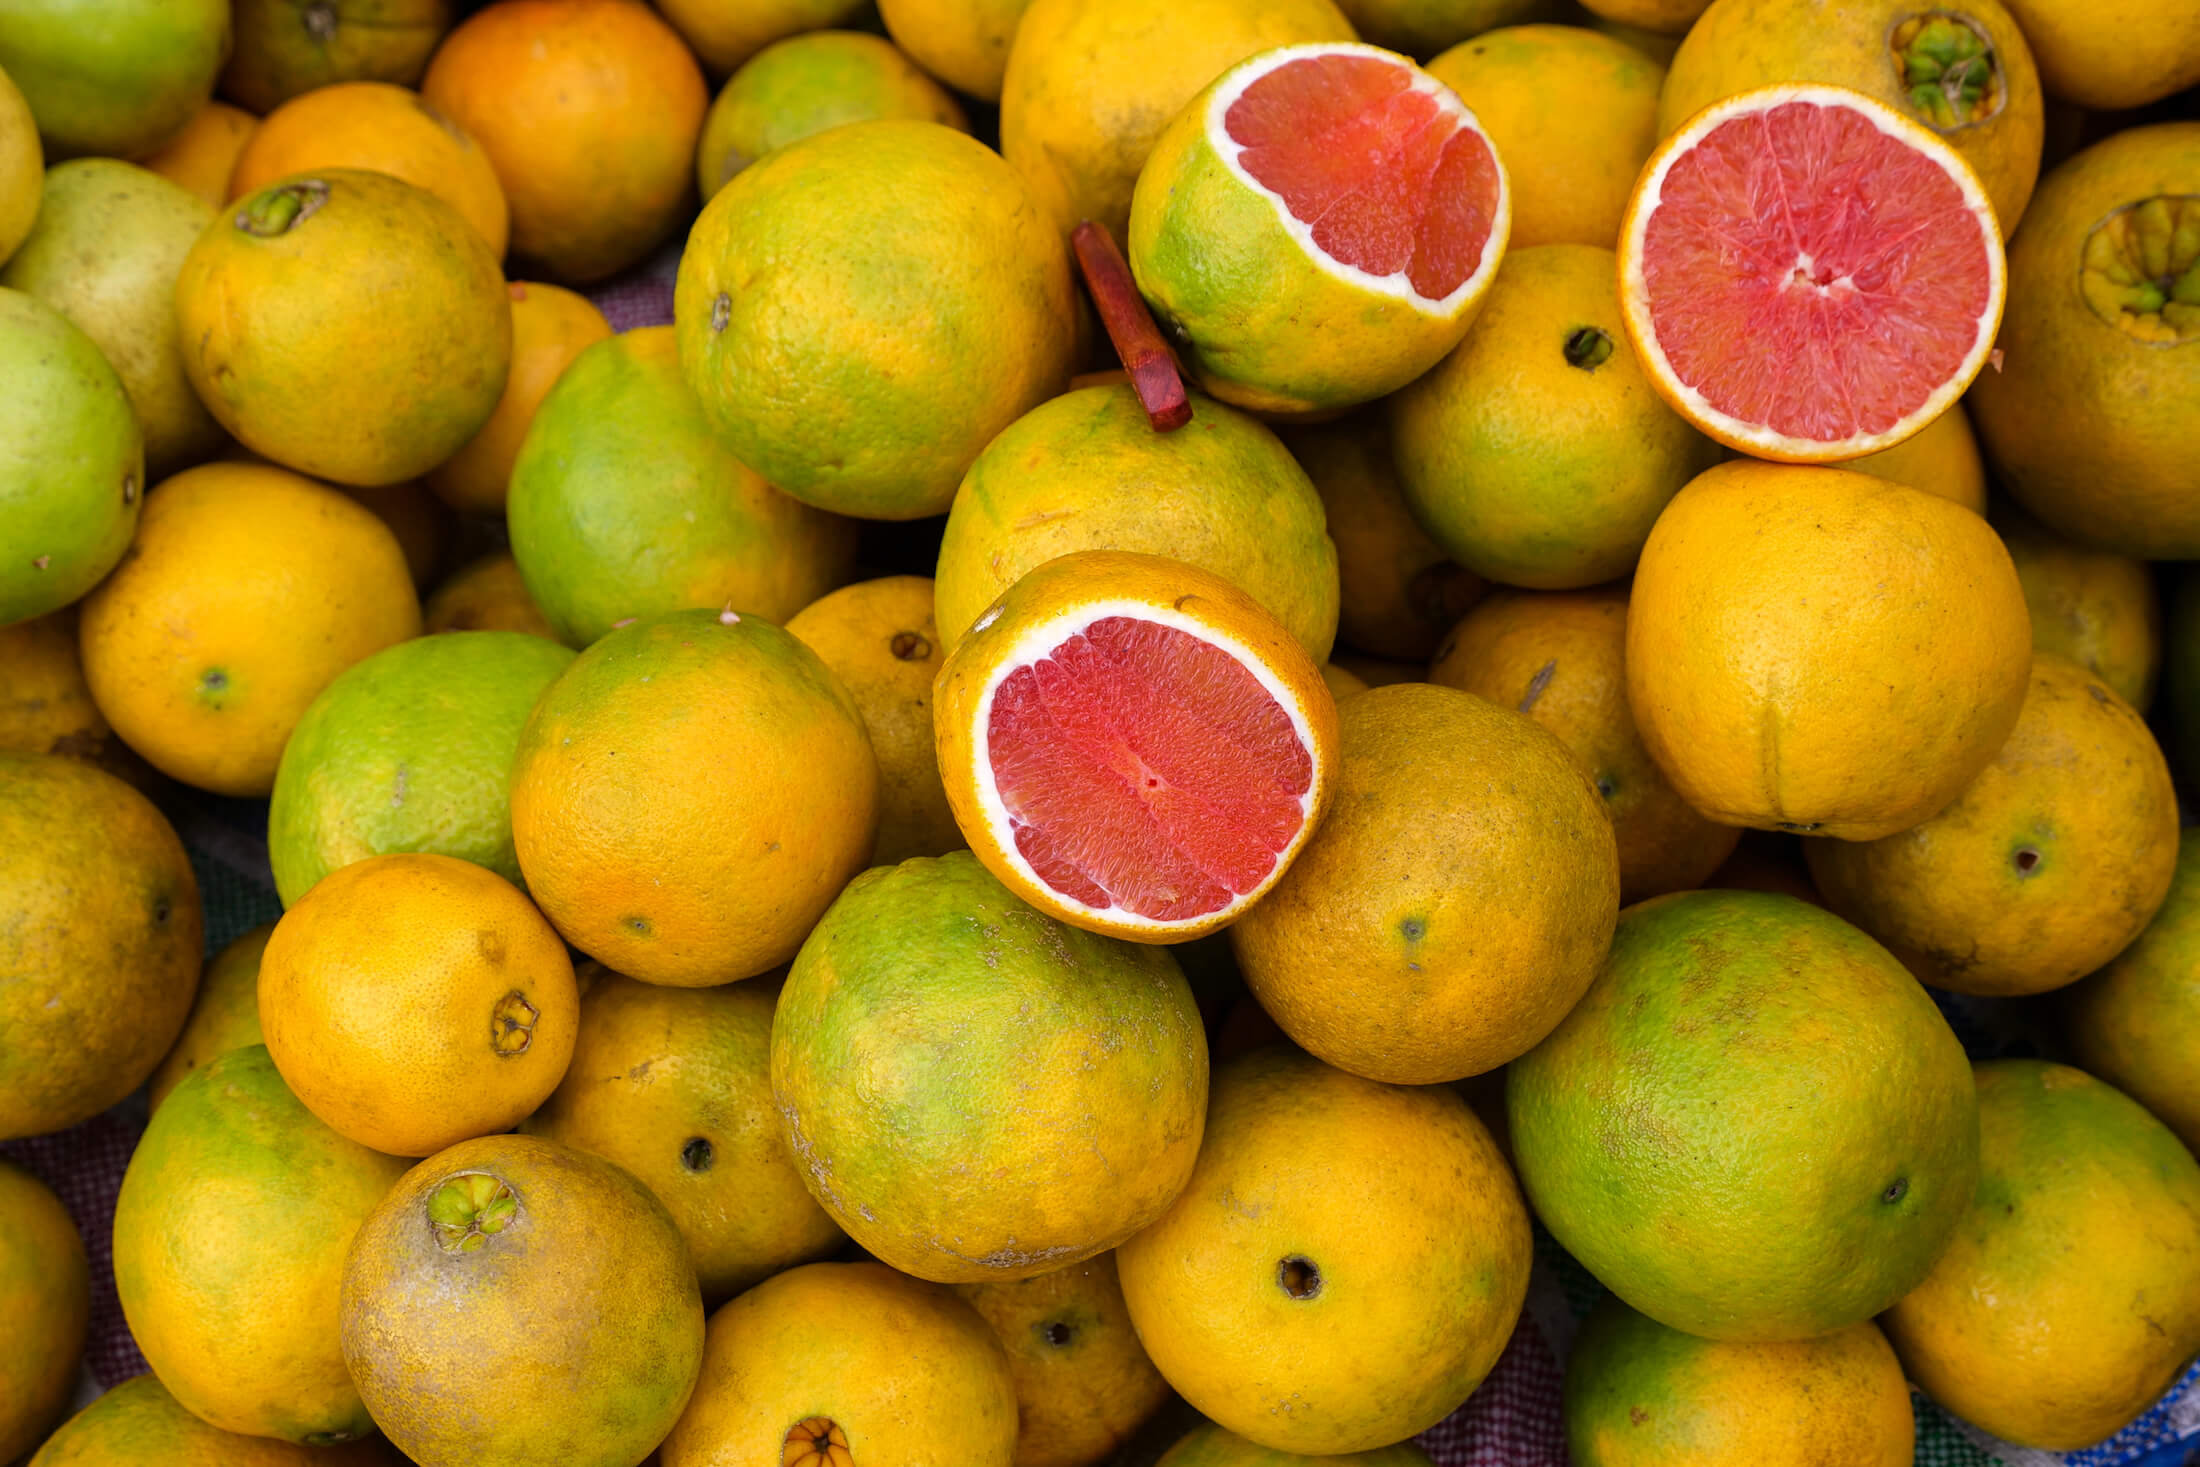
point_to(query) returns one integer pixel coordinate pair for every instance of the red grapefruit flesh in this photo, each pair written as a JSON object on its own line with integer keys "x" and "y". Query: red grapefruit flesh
{"x": 1376, "y": 160}
{"x": 1146, "y": 769}
{"x": 1808, "y": 275}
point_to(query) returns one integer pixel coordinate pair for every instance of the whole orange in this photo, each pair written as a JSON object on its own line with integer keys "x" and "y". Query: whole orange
{"x": 288, "y": 47}
{"x": 248, "y": 588}
{"x": 690, "y": 795}
{"x": 413, "y": 1001}
{"x": 590, "y": 110}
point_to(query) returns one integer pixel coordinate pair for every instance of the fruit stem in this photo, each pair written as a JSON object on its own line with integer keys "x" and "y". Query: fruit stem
{"x": 1948, "y": 69}
{"x": 279, "y": 210}
{"x": 1130, "y": 326}
{"x": 470, "y": 1208}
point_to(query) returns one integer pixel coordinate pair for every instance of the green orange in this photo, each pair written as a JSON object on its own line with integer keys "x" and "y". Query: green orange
{"x": 806, "y": 84}
{"x": 1756, "y": 1126}
{"x": 140, "y": 1423}
{"x": 72, "y": 472}
{"x": 118, "y": 78}
{"x": 2134, "y": 1022}
{"x": 409, "y": 750}
{"x": 624, "y": 504}
{"x": 346, "y": 324}
{"x": 1030, "y": 1048}
{"x": 1086, "y": 471}
{"x": 861, "y": 312}
{"x": 229, "y": 1240}
{"x": 109, "y": 240}
{"x": 285, "y": 48}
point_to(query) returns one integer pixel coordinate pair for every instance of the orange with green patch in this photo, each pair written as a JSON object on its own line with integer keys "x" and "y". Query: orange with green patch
{"x": 1639, "y": 1394}
{"x": 139, "y": 1422}
{"x": 285, "y": 48}
{"x": 1755, "y": 1126}
{"x": 230, "y": 1235}
{"x": 2136, "y": 1022}
{"x": 991, "y": 1041}
{"x": 472, "y": 1312}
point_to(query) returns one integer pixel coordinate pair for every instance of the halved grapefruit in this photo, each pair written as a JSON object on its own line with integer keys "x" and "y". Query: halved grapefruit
{"x": 1316, "y": 229}
{"x": 1807, "y": 275}
{"x": 1133, "y": 745}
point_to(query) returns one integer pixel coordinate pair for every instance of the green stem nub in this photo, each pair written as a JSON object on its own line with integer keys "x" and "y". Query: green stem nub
{"x": 469, "y": 1209}
{"x": 1948, "y": 69}
{"x": 2140, "y": 270}
{"x": 280, "y": 209}
{"x": 1588, "y": 347}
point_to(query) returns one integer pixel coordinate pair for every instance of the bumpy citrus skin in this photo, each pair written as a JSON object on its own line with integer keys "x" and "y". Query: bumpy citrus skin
{"x": 1089, "y": 88}
{"x": 285, "y": 48}
{"x": 2095, "y": 607}
{"x": 674, "y": 1084}
{"x": 550, "y": 327}
{"x": 858, "y": 388}
{"x": 1058, "y": 589}
{"x": 116, "y": 78}
{"x": 1086, "y": 471}
{"x": 590, "y": 110}
{"x": 2136, "y": 1021}
{"x": 2045, "y": 867}
{"x": 345, "y": 324}
{"x": 102, "y": 970}
{"x": 724, "y": 36}
{"x": 1455, "y": 902}
{"x": 412, "y": 1001}
{"x": 1573, "y": 114}
{"x": 1391, "y": 1213}
{"x": 1560, "y": 658}
{"x": 45, "y": 1289}
{"x": 230, "y": 1234}
{"x": 902, "y": 1371}
{"x": 1874, "y": 48}
{"x": 206, "y": 674}
{"x": 624, "y": 504}
{"x": 1755, "y": 1126}
{"x": 409, "y": 750}
{"x": 72, "y": 461}
{"x": 1072, "y": 1061}
{"x": 962, "y": 42}
{"x": 109, "y": 240}
{"x": 1538, "y": 454}
{"x": 1816, "y": 650}
{"x": 1641, "y": 1395}
{"x": 224, "y": 1016}
{"x": 480, "y": 1338}
{"x": 1083, "y": 1382}
{"x": 2008, "y": 1335}
{"x": 2094, "y": 419}
{"x": 2111, "y": 57}
{"x": 880, "y": 640}
{"x": 691, "y": 795}
{"x": 806, "y": 84}
{"x": 138, "y": 1421}
{"x": 388, "y": 129}
{"x": 1212, "y": 1446}
{"x": 1257, "y": 321}
{"x": 1398, "y": 591}
{"x": 1940, "y": 458}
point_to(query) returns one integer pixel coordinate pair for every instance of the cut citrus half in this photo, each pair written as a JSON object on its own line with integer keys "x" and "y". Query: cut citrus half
{"x": 1317, "y": 227}
{"x": 1807, "y": 275}
{"x": 1133, "y": 745}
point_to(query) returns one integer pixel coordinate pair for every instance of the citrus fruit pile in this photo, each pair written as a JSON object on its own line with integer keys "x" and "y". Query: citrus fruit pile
{"x": 1040, "y": 733}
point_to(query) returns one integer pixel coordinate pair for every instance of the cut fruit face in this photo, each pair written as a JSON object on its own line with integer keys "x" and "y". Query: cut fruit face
{"x": 1144, "y": 766}
{"x": 1378, "y": 172}
{"x": 1809, "y": 276}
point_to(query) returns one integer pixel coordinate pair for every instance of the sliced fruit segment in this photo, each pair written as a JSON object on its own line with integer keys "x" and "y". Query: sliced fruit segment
{"x": 1809, "y": 276}
{"x": 1134, "y": 745}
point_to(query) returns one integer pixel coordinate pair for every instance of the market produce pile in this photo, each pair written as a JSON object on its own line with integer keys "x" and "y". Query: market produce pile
{"x": 1239, "y": 670}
